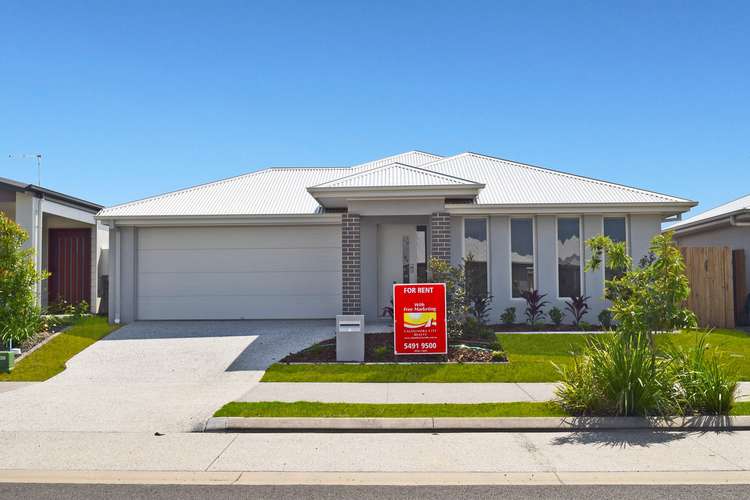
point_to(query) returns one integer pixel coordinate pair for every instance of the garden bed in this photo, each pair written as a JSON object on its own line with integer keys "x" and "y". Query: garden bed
{"x": 523, "y": 327}
{"x": 379, "y": 349}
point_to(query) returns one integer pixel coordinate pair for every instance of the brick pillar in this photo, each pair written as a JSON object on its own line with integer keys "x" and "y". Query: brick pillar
{"x": 440, "y": 241}
{"x": 351, "y": 287}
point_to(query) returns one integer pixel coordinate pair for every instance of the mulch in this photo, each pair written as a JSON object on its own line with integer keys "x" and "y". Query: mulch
{"x": 379, "y": 349}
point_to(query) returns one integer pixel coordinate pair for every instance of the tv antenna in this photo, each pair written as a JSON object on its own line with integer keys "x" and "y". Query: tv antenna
{"x": 37, "y": 157}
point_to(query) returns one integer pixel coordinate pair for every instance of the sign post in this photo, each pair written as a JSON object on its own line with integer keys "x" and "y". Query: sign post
{"x": 420, "y": 323}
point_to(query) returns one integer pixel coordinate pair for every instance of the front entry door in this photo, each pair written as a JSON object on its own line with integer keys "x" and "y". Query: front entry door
{"x": 397, "y": 259}
{"x": 69, "y": 264}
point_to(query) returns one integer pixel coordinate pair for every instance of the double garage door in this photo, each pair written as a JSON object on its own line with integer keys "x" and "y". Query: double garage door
{"x": 277, "y": 272}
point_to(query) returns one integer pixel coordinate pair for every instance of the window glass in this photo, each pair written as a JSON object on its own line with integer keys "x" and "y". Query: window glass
{"x": 521, "y": 255}
{"x": 569, "y": 256}
{"x": 614, "y": 227}
{"x": 475, "y": 252}
{"x": 422, "y": 254}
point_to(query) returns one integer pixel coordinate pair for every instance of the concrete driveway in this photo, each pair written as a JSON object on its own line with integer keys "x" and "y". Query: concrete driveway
{"x": 157, "y": 376}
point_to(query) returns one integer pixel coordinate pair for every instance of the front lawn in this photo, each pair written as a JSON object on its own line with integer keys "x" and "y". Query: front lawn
{"x": 50, "y": 359}
{"x": 531, "y": 359}
{"x": 353, "y": 410}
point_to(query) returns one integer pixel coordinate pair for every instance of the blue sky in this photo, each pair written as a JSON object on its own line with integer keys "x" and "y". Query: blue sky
{"x": 130, "y": 99}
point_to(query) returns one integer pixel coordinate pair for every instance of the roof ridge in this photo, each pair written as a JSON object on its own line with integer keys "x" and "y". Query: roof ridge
{"x": 390, "y": 165}
{"x": 411, "y": 151}
{"x": 573, "y": 176}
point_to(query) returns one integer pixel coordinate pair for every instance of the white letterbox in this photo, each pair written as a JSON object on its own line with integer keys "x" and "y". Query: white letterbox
{"x": 350, "y": 337}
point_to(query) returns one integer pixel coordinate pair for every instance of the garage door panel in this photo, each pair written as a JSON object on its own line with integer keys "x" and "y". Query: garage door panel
{"x": 266, "y": 307}
{"x": 239, "y": 272}
{"x": 172, "y": 238}
{"x": 264, "y": 283}
{"x": 239, "y": 260}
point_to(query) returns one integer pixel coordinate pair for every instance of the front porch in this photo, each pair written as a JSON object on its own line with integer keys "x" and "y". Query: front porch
{"x": 66, "y": 240}
{"x": 380, "y": 250}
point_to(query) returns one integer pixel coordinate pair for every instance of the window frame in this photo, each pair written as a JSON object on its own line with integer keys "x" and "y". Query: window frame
{"x": 486, "y": 219}
{"x": 557, "y": 254}
{"x": 627, "y": 239}
{"x": 510, "y": 254}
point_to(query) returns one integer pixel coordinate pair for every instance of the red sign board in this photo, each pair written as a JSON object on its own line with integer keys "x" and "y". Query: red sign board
{"x": 419, "y": 319}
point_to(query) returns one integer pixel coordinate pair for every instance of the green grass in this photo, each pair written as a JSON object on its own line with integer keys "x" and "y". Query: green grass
{"x": 309, "y": 409}
{"x": 531, "y": 360}
{"x": 742, "y": 408}
{"x": 50, "y": 359}
{"x": 733, "y": 344}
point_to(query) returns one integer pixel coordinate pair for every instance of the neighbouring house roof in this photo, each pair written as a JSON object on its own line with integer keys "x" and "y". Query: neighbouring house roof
{"x": 738, "y": 207}
{"x": 49, "y": 193}
{"x": 287, "y": 191}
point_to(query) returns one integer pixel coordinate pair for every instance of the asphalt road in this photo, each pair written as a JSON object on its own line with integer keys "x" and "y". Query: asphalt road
{"x": 98, "y": 491}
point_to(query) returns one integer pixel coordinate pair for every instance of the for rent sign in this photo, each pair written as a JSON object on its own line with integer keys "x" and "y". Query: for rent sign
{"x": 419, "y": 319}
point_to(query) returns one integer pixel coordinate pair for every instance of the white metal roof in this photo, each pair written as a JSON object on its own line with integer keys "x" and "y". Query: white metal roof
{"x": 512, "y": 183}
{"x": 395, "y": 174}
{"x": 734, "y": 207}
{"x": 283, "y": 191}
{"x": 413, "y": 158}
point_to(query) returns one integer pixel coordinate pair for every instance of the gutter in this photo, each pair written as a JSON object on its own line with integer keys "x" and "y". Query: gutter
{"x": 733, "y": 222}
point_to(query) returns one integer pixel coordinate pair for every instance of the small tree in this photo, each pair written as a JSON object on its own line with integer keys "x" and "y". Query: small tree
{"x": 455, "y": 289}
{"x": 650, "y": 298}
{"x": 19, "y": 314}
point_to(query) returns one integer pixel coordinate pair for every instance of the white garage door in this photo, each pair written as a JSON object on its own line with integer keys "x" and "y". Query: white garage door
{"x": 239, "y": 272}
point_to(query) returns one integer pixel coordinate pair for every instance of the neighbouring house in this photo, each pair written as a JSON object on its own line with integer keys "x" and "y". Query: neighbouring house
{"x": 67, "y": 241}
{"x": 727, "y": 226}
{"x": 316, "y": 242}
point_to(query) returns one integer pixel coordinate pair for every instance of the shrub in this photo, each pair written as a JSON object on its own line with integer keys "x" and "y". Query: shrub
{"x": 19, "y": 313}
{"x": 534, "y": 306}
{"x": 508, "y": 317}
{"x": 556, "y": 316}
{"x": 455, "y": 289}
{"x": 578, "y": 307}
{"x": 605, "y": 319}
{"x": 499, "y": 356}
{"x": 704, "y": 381}
{"x": 479, "y": 308}
{"x": 620, "y": 376}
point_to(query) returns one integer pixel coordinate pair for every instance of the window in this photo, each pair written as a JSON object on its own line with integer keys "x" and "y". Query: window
{"x": 475, "y": 252}
{"x": 521, "y": 256}
{"x": 615, "y": 228}
{"x": 421, "y": 254}
{"x": 568, "y": 257}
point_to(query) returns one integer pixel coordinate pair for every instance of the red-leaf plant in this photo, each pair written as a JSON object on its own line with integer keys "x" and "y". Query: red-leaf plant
{"x": 578, "y": 307}
{"x": 534, "y": 306}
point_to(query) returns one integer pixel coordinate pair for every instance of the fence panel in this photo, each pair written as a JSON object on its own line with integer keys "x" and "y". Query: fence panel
{"x": 710, "y": 271}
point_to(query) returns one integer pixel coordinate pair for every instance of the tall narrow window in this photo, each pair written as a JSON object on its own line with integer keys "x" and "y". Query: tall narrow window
{"x": 475, "y": 253}
{"x": 421, "y": 254}
{"x": 569, "y": 256}
{"x": 615, "y": 228}
{"x": 521, "y": 256}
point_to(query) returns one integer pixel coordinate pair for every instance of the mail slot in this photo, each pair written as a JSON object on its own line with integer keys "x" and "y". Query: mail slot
{"x": 350, "y": 337}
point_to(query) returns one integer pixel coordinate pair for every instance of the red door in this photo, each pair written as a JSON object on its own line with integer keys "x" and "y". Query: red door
{"x": 69, "y": 265}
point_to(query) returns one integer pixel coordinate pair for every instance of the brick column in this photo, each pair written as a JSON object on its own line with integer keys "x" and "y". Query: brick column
{"x": 351, "y": 287}
{"x": 440, "y": 241}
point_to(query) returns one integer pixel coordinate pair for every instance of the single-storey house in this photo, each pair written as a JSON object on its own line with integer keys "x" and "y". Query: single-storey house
{"x": 285, "y": 243}
{"x": 727, "y": 225}
{"x": 67, "y": 241}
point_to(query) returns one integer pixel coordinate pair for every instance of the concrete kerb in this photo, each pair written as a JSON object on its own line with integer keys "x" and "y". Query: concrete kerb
{"x": 473, "y": 424}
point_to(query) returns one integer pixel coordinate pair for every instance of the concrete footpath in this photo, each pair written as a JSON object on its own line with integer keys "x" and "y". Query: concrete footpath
{"x": 332, "y": 392}
{"x": 399, "y": 393}
{"x": 389, "y": 458}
